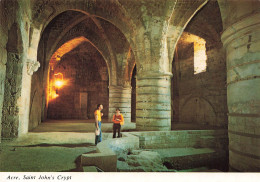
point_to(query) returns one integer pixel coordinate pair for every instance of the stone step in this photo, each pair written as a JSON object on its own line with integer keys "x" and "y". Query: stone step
{"x": 192, "y": 158}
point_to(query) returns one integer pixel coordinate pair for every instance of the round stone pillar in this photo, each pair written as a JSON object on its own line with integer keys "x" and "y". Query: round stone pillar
{"x": 120, "y": 97}
{"x": 153, "y": 102}
{"x": 242, "y": 44}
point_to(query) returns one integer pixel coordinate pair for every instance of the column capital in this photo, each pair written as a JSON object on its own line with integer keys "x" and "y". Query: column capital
{"x": 32, "y": 66}
{"x": 241, "y": 28}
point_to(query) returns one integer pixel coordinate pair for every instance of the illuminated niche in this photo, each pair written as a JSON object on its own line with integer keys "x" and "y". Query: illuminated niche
{"x": 200, "y": 56}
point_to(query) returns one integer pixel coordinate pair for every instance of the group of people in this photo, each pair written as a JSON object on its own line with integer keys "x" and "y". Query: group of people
{"x": 118, "y": 120}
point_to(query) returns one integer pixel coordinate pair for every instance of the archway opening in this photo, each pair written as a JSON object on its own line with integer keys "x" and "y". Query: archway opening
{"x": 94, "y": 50}
{"x": 72, "y": 53}
{"x": 78, "y": 81}
{"x": 199, "y": 74}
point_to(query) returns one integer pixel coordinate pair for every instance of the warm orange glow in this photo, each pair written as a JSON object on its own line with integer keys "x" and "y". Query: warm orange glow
{"x": 55, "y": 95}
{"x": 57, "y": 58}
{"x": 55, "y": 84}
{"x": 58, "y": 77}
{"x": 65, "y": 48}
{"x": 59, "y": 83}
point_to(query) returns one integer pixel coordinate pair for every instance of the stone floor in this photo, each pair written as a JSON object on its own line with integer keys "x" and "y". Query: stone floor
{"x": 53, "y": 146}
{"x": 71, "y": 125}
{"x": 45, "y": 152}
{"x": 78, "y": 126}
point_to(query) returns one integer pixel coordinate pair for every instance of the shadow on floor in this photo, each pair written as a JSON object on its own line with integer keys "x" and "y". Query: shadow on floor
{"x": 60, "y": 145}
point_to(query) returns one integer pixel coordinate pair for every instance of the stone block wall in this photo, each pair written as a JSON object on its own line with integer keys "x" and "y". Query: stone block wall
{"x": 14, "y": 33}
{"x": 200, "y": 98}
{"x": 3, "y": 56}
{"x": 184, "y": 139}
{"x": 13, "y": 81}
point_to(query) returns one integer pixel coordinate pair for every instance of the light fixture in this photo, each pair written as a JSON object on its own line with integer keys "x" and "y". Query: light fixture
{"x": 58, "y": 80}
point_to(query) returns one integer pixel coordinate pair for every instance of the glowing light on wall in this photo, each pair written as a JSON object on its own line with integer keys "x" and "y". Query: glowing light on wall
{"x": 59, "y": 83}
{"x": 58, "y": 77}
{"x": 54, "y": 95}
{"x": 200, "y": 57}
{"x": 56, "y": 83}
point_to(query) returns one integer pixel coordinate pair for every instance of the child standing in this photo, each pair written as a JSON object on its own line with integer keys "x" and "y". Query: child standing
{"x": 118, "y": 120}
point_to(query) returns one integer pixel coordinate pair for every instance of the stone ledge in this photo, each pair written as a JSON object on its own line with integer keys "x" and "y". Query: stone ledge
{"x": 105, "y": 157}
{"x": 105, "y": 161}
{"x": 187, "y": 138}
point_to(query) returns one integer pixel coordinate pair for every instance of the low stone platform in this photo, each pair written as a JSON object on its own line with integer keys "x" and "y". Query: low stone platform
{"x": 197, "y": 149}
{"x": 105, "y": 156}
{"x": 38, "y": 151}
{"x": 189, "y": 158}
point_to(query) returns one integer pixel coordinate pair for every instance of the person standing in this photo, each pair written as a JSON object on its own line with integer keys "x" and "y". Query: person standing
{"x": 98, "y": 116}
{"x": 118, "y": 120}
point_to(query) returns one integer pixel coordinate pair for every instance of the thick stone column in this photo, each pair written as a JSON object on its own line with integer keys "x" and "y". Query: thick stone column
{"x": 3, "y": 59}
{"x": 13, "y": 82}
{"x": 242, "y": 43}
{"x": 153, "y": 102}
{"x": 120, "y": 97}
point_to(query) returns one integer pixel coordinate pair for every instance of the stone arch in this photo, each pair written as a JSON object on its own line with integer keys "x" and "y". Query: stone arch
{"x": 46, "y": 12}
{"x": 197, "y": 110}
{"x": 206, "y": 24}
{"x": 35, "y": 32}
{"x": 110, "y": 61}
{"x": 86, "y": 82}
{"x": 129, "y": 67}
{"x": 177, "y": 24}
{"x": 84, "y": 39}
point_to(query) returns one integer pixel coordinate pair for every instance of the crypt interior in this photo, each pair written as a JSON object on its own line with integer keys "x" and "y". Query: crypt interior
{"x": 185, "y": 75}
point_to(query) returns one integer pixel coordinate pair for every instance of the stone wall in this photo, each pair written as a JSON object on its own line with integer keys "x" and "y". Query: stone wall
{"x": 81, "y": 74}
{"x": 14, "y": 38}
{"x": 200, "y": 98}
{"x": 3, "y": 55}
{"x": 217, "y": 139}
{"x": 242, "y": 43}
